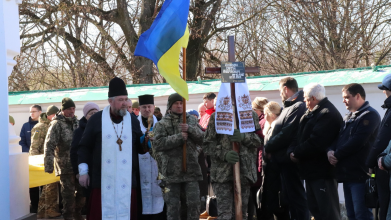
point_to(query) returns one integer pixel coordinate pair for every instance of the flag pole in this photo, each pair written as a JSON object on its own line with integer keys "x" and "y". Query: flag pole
{"x": 184, "y": 169}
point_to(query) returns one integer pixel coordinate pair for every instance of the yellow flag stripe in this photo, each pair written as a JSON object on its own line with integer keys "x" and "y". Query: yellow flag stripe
{"x": 168, "y": 66}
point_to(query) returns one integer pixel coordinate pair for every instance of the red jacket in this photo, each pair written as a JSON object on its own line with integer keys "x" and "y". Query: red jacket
{"x": 205, "y": 118}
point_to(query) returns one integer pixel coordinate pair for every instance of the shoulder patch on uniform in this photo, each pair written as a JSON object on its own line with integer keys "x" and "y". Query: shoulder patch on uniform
{"x": 366, "y": 122}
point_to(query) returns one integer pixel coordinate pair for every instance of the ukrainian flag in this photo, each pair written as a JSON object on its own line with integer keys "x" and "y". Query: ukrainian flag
{"x": 163, "y": 41}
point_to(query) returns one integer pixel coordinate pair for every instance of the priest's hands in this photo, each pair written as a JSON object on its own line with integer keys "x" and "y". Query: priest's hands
{"x": 84, "y": 180}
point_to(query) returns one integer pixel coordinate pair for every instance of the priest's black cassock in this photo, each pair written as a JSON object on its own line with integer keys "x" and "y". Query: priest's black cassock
{"x": 90, "y": 152}
{"x": 120, "y": 198}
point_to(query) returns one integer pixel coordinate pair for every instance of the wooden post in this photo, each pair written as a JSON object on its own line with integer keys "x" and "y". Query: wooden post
{"x": 184, "y": 168}
{"x": 235, "y": 145}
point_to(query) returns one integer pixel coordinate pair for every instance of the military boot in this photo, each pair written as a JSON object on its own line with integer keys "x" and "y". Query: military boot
{"x": 41, "y": 215}
{"x": 52, "y": 213}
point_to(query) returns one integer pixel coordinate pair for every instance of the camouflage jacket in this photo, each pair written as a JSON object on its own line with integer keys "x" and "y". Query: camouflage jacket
{"x": 168, "y": 147}
{"x": 38, "y": 135}
{"x": 217, "y": 145}
{"x": 58, "y": 144}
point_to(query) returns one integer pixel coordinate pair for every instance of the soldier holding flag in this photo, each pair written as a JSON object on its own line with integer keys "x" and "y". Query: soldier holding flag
{"x": 169, "y": 136}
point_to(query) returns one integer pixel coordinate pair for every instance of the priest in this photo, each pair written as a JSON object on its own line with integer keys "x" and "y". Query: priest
{"x": 108, "y": 159}
{"x": 151, "y": 192}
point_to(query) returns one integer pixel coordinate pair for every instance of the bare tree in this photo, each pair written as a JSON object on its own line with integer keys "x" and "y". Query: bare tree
{"x": 104, "y": 34}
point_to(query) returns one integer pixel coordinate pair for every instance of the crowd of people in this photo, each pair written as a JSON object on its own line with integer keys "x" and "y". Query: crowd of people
{"x": 128, "y": 161}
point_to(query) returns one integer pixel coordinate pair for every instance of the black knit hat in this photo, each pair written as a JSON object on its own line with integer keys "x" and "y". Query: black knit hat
{"x": 145, "y": 99}
{"x": 172, "y": 99}
{"x": 117, "y": 87}
{"x": 67, "y": 103}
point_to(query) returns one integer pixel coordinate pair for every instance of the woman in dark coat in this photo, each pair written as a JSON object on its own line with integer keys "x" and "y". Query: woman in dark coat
{"x": 258, "y": 106}
{"x": 272, "y": 202}
{"x": 89, "y": 109}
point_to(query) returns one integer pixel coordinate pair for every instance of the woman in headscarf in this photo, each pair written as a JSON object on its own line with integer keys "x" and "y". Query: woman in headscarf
{"x": 89, "y": 109}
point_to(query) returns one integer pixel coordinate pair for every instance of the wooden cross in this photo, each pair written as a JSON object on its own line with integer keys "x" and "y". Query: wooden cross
{"x": 236, "y": 168}
{"x": 119, "y": 142}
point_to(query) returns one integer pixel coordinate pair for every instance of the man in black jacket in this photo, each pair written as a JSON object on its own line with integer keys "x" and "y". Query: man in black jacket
{"x": 318, "y": 129}
{"x": 381, "y": 142}
{"x": 284, "y": 134}
{"x": 351, "y": 149}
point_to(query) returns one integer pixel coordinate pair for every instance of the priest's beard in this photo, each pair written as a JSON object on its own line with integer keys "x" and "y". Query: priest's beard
{"x": 121, "y": 112}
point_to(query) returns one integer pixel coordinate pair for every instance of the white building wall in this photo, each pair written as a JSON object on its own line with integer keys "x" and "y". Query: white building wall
{"x": 374, "y": 96}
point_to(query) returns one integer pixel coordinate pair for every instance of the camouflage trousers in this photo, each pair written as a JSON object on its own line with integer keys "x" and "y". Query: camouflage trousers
{"x": 225, "y": 199}
{"x": 48, "y": 199}
{"x": 72, "y": 198}
{"x": 172, "y": 200}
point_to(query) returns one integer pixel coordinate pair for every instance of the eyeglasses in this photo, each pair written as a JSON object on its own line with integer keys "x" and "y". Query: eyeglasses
{"x": 33, "y": 111}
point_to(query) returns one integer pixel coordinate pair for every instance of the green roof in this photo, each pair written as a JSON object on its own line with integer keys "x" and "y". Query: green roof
{"x": 256, "y": 83}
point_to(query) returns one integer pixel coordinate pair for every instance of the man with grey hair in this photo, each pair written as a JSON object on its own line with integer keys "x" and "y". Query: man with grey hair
{"x": 318, "y": 128}
{"x": 110, "y": 146}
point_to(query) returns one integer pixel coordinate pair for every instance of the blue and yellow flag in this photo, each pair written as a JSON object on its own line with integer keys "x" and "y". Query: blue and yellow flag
{"x": 163, "y": 41}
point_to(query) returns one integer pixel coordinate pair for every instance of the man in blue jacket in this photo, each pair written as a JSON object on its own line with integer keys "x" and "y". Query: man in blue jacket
{"x": 25, "y": 142}
{"x": 350, "y": 151}
{"x": 382, "y": 140}
{"x": 25, "y": 133}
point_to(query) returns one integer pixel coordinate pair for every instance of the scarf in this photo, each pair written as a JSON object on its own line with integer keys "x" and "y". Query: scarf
{"x": 224, "y": 121}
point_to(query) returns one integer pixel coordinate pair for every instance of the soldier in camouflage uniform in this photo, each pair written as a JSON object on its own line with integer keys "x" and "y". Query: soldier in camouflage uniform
{"x": 47, "y": 206}
{"x": 57, "y": 147}
{"x": 169, "y": 136}
{"x": 219, "y": 148}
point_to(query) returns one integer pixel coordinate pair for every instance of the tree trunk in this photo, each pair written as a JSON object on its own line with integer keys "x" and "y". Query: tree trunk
{"x": 194, "y": 51}
{"x": 143, "y": 73}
